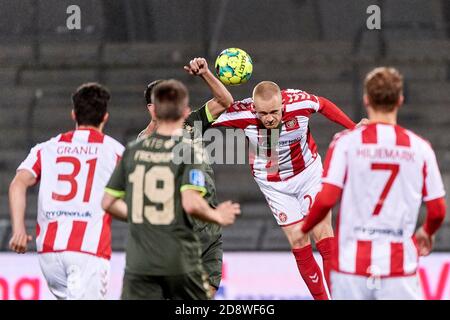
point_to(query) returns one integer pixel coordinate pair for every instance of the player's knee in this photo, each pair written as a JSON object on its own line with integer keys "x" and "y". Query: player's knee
{"x": 297, "y": 242}
{"x": 322, "y": 232}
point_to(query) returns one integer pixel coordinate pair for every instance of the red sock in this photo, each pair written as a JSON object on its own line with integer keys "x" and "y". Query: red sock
{"x": 326, "y": 249}
{"x": 310, "y": 272}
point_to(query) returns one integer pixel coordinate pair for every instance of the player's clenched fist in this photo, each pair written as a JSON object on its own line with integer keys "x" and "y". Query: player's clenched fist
{"x": 19, "y": 241}
{"x": 197, "y": 66}
{"x": 228, "y": 211}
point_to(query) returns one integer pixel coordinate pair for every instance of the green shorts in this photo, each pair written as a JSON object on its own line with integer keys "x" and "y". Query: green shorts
{"x": 189, "y": 286}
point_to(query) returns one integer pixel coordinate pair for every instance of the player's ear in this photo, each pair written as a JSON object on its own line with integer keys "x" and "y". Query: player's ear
{"x": 105, "y": 118}
{"x": 366, "y": 101}
{"x": 72, "y": 115}
{"x": 186, "y": 112}
{"x": 151, "y": 110}
{"x": 401, "y": 100}
{"x": 150, "y": 106}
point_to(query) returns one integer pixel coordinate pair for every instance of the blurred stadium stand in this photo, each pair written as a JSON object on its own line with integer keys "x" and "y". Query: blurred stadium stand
{"x": 320, "y": 46}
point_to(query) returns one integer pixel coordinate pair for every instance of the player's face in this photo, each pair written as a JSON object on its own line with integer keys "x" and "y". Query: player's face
{"x": 269, "y": 111}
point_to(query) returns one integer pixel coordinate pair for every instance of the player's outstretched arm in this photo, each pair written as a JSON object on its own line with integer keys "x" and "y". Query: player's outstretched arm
{"x": 115, "y": 206}
{"x": 194, "y": 204}
{"x": 334, "y": 113}
{"x": 17, "y": 202}
{"x": 222, "y": 97}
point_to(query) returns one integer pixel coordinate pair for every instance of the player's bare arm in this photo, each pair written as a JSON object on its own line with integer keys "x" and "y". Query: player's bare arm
{"x": 115, "y": 206}
{"x": 194, "y": 204}
{"x": 17, "y": 201}
{"x": 222, "y": 97}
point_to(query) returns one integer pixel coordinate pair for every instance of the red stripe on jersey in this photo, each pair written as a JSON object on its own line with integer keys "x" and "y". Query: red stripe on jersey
{"x": 363, "y": 257}
{"x": 237, "y": 123}
{"x": 118, "y": 158}
{"x": 369, "y": 134}
{"x": 424, "y": 174}
{"x": 298, "y": 163}
{"x": 95, "y": 136}
{"x": 272, "y": 165}
{"x": 104, "y": 245}
{"x": 76, "y": 235}
{"x": 50, "y": 236}
{"x": 397, "y": 258}
{"x": 66, "y": 137}
{"x": 402, "y": 138}
{"x": 273, "y": 175}
{"x": 37, "y": 166}
{"x": 38, "y": 230}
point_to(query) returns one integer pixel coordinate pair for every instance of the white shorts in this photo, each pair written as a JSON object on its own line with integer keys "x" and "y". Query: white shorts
{"x": 291, "y": 200}
{"x": 75, "y": 275}
{"x": 354, "y": 287}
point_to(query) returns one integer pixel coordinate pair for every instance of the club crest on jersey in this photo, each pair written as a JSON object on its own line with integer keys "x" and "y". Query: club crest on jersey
{"x": 282, "y": 216}
{"x": 196, "y": 178}
{"x": 292, "y": 124}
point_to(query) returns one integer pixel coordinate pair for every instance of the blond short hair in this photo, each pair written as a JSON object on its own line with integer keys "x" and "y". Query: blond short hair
{"x": 266, "y": 90}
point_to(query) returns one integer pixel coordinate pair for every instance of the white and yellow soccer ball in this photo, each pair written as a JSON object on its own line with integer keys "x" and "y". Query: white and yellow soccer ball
{"x": 234, "y": 66}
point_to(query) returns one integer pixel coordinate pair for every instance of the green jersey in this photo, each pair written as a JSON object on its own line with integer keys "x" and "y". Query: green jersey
{"x": 151, "y": 177}
{"x": 196, "y": 124}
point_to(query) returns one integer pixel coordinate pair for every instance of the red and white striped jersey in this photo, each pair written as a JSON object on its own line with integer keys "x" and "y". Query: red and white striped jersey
{"x": 293, "y": 149}
{"x": 73, "y": 169}
{"x": 385, "y": 172}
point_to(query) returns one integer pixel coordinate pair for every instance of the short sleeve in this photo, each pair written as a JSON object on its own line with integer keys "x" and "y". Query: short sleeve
{"x": 33, "y": 162}
{"x": 315, "y": 102}
{"x": 295, "y": 99}
{"x": 433, "y": 187}
{"x": 335, "y": 162}
{"x": 194, "y": 173}
{"x": 194, "y": 178}
{"x": 200, "y": 117}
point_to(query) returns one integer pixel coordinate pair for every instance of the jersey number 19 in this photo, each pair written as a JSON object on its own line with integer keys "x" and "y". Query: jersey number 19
{"x": 157, "y": 184}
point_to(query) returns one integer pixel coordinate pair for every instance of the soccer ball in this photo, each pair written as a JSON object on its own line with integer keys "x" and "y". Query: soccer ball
{"x": 234, "y": 66}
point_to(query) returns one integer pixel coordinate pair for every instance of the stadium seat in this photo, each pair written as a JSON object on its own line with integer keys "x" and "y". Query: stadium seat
{"x": 243, "y": 235}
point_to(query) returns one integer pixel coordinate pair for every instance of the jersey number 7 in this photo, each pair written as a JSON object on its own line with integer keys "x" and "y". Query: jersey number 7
{"x": 394, "y": 168}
